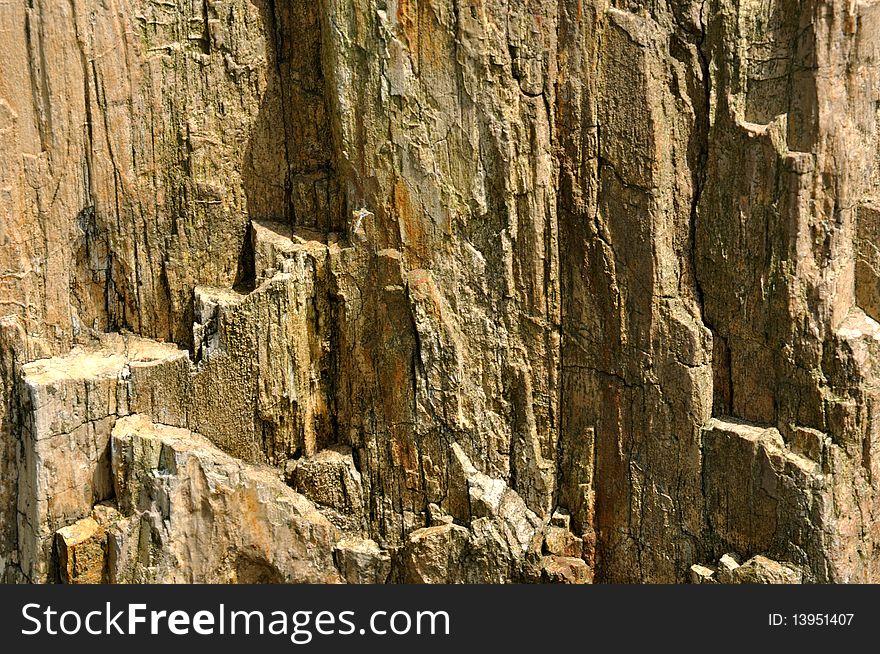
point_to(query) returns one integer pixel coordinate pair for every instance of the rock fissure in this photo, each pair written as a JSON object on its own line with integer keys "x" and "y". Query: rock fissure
{"x": 606, "y": 311}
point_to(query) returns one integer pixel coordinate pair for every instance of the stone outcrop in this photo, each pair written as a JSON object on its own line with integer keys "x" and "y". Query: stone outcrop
{"x": 757, "y": 570}
{"x": 69, "y": 406}
{"x": 762, "y": 496}
{"x": 437, "y": 292}
{"x": 182, "y": 496}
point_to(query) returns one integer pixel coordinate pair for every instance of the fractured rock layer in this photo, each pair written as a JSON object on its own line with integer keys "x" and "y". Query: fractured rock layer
{"x": 437, "y": 292}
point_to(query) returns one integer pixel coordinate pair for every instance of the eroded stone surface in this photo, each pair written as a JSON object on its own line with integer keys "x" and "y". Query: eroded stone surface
{"x": 583, "y": 290}
{"x": 183, "y": 496}
{"x": 361, "y": 561}
{"x": 81, "y": 552}
{"x": 331, "y": 480}
{"x": 69, "y": 406}
{"x": 757, "y": 570}
{"x": 763, "y": 497}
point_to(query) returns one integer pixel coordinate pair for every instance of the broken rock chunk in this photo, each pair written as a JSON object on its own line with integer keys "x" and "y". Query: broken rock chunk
{"x": 565, "y": 570}
{"x": 432, "y": 555}
{"x": 761, "y": 570}
{"x": 700, "y": 574}
{"x": 362, "y": 561}
{"x": 197, "y": 515}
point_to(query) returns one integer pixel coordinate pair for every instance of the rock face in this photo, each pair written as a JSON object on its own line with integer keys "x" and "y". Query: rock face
{"x": 184, "y": 496}
{"x": 433, "y": 292}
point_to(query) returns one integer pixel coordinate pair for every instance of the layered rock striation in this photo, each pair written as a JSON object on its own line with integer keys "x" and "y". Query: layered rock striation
{"x": 439, "y": 291}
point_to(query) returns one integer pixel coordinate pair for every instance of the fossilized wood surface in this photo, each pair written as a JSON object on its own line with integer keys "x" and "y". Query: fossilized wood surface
{"x": 439, "y": 291}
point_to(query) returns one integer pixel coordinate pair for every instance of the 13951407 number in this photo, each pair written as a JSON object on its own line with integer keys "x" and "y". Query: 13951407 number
{"x": 822, "y": 619}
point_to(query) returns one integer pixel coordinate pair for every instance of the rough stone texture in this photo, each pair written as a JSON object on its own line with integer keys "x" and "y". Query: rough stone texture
{"x": 361, "y": 561}
{"x": 700, "y": 574}
{"x": 761, "y": 570}
{"x": 69, "y": 406}
{"x": 331, "y": 480}
{"x": 80, "y": 550}
{"x": 433, "y": 555}
{"x": 184, "y": 496}
{"x": 563, "y": 570}
{"x": 867, "y": 258}
{"x": 512, "y": 291}
{"x": 757, "y": 570}
{"x": 762, "y": 497}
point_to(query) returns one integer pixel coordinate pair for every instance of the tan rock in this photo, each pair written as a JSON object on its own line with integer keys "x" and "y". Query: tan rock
{"x": 330, "y": 479}
{"x": 565, "y": 570}
{"x": 69, "y": 406}
{"x": 432, "y": 555}
{"x": 361, "y": 561}
{"x": 762, "y": 496}
{"x": 867, "y": 258}
{"x": 209, "y": 518}
{"x": 700, "y": 574}
{"x": 727, "y": 566}
{"x": 761, "y": 570}
{"x": 621, "y": 260}
{"x": 81, "y": 551}
{"x": 561, "y": 542}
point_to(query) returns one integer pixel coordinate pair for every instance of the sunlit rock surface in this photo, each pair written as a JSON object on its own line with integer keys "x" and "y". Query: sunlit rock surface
{"x": 444, "y": 291}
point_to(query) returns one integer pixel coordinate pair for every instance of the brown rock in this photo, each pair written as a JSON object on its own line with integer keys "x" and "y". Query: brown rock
{"x": 187, "y": 497}
{"x": 432, "y": 555}
{"x": 700, "y": 574}
{"x": 761, "y": 570}
{"x": 514, "y": 258}
{"x": 565, "y": 570}
{"x": 361, "y": 561}
{"x": 330, "y": 479}
{"x": 81, "y": 549}
{"x": 562, "y": 542}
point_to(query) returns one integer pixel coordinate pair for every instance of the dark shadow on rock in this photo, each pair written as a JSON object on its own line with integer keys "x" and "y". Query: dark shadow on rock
{"x": 288, "y": 172}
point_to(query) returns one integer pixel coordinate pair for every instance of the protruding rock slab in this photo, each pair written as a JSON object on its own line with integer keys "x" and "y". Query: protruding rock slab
{"x": 362, "y": 561}
{"x": 199, "y": 515}
{"x": 701, "y": 574}
{"x": 433, "y": 555}
{"x": 561, "y": 542}
{"x": 763, "y": 497}
{"x": 80, "y": 549}
{"x": 69, "y": 405}
{"x": 564, "y": 570}
{"x": 274, "y": 243}
{"x": 761, "y": 570}
{"x": 757, "y": 570}
{"x": 475, "y": 495}
{"x": 262, "y": 388}
{"x": 331, "y": 480}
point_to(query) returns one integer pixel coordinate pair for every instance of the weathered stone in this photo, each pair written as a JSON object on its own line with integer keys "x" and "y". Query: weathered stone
{"x": 561, "y": 518}
{"x": 330, "y": 479}
{"x": 490, "y": 498}
{"x": 700, "y": 574}
{"x": 201, "y": 516}
{"x": 761, "y": 570}
{"x": 438, "y": 516}
{"x": 565, "y": 570}
{"x": 727, "y": 566}
{"x": 361, "y": 561}
{"x": 763, "y": 497}
{"x": 560, "y": 541}
{"x": 68, "y": 408}
{"x": 81, "y": 549}
{"x": 867, "y": 258}
{"x": 594, "y": 267}
{"x": 433, "y": 555}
